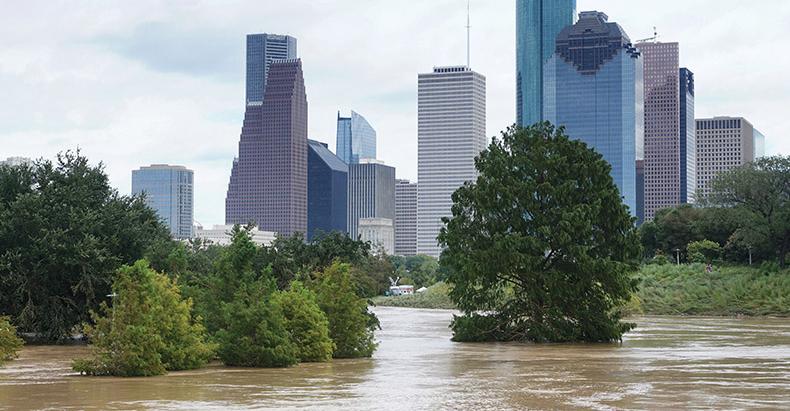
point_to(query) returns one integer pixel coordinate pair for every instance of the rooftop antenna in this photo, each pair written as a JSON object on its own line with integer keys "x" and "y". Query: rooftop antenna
{"x": 468, "y": 27}
{"x": 653, "y": 39}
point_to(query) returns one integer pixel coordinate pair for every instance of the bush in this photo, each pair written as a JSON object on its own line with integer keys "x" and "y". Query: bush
{"x": 306, "y": 323}
{"x": 436, "y": 296}
{"x": 704, "y": 251}
{"x": 351, "y": 325}
{"x": 10, "y": 343}
{"x": 659, "y": 259}
{"x": 148, "y": 331}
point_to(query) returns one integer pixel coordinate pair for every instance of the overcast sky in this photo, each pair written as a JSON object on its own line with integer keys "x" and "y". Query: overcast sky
{"x": 138, "y": 82}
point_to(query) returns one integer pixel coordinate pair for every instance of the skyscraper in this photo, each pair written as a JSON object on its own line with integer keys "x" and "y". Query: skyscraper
{"x": 169, "y": 191}
{"x": 356, "y": 139}
{"x": 405, "y": 217}
{"x": 451, "y": 132}
{"x": 371, "y": 193}
{"x": 669, "y": 132}
{"x": 538, "y": 22}
{"x": 593, "y": 87}
{"x": 262, "y": 49}
{"x": 723, "y": 143}
{"x": 327, "y": 190}
{"x": 268, "y": 182}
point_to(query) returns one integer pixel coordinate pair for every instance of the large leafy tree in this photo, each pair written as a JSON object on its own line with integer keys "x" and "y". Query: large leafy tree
{"x": 63, "y": 233}
{"x": 540, "y": 247}
{"x": 760, "y": 189}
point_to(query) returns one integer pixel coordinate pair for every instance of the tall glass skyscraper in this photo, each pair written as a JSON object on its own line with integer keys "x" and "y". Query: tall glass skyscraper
{"x": 327, "y": 190}
{"x": 262, "y": 49}
{"x": 594, "y": 87}
{"x": 169, "y": 191}
{"x": 356, "y": 139}
{"x": 538, "y": 22}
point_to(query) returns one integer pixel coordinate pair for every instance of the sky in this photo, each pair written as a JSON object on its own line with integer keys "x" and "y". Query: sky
{"x": 132, "y": 83}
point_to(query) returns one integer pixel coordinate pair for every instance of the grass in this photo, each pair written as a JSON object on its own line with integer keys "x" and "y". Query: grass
{"x": 434, "y": 297}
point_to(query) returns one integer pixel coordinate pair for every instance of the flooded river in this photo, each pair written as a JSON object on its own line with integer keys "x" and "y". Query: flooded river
{"x": 666, "y": 363}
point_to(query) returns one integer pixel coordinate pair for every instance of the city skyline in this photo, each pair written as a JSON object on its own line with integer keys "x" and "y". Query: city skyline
{"x": 121, "y": 85}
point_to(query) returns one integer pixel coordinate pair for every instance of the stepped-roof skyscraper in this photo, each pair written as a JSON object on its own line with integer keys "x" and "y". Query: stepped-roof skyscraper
{"x": 262, "y": 49}
{"x": 356, "y": 138}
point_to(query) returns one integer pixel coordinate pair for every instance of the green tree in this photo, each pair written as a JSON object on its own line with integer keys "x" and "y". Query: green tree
{"x": 148, "y": 330}
{"x": 762, "y": 190}
{"x": 63, "y": 234}
{"x": 10, "y": 343}
{"x": 351, "y": 325}
{"x": 540, "y": 247}
{"x": 704, "y": 251}
{"x": 306, "y": 323}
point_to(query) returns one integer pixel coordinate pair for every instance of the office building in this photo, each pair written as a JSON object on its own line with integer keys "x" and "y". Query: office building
{"x": 593, "y": 87}
{"x": 405, "y": 218}
{"x": 221, "y": 235}
{"x": 268, "y": 182}
{"x": 379, "y": 232}
{"x": 327, "y": 191}
{"x": 371, "y": 193}
{"x": 262, "y": 49}
{"x": 356, "y": 139}
{"x": 451, "y": 132}
{"x": 723, "y": 143}
{"x": 688, "y": 138}
{"x": 168, "y": 190}
{"x": 759, "y": 144}
{"x": 538, "y": 22}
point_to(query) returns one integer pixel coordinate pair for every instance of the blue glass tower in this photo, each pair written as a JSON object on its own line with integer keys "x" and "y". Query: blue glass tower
{"x": 688, "y": 132}
{"x": 594, "y": 87}
{"x": 327, "y": 190}
{"x": 262, "y": 49}
{"x": 538, "y": 22}
{"x": 356, "y": 139}
{"x": 169, "y": 191}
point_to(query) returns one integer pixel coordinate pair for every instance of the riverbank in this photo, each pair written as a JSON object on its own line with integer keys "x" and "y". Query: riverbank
{"x": 672, "y": 290}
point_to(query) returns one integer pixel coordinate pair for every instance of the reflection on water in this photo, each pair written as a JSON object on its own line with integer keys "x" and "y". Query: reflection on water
{"x": 665, "y": 363}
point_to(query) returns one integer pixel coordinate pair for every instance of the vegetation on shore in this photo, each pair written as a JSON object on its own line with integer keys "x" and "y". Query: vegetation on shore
{"x": 436, "y": 297}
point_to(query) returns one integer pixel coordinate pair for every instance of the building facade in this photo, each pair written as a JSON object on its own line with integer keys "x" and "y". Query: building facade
{"x": 405, "y": 218}
{"x": 593, "y": 87}
{"x": 371, "y": 193}
{"x": 723, "y": 143}
{"x": 379, "y": 232}
{"x": 451, "y": 127}
{"x": 262, "y": 49}
{"x": 268, "y": 182}
{"x": 221, "y": 235}
{"x": 327, "y": 191}
{"x": 169, "y": 190}
{"x": 356, "y": 138}
{"x": 688, "y": 138}
{"x": 538, "y": 22}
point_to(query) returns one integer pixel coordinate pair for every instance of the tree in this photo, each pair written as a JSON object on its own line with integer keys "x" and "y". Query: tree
{"x": 762, "y": 190}
{"x": 148, "y": 330}
{"x": 540, "y": 247}
{"x": 351, "y": 326}
{"x": 10, "y": 343}
{"x": 63, "y": 234}
{"x": 306, "y": 323}
{"x": 704, "y": 251}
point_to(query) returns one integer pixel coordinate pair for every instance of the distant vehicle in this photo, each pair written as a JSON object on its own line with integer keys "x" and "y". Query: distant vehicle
{"x": 401, "y": 290}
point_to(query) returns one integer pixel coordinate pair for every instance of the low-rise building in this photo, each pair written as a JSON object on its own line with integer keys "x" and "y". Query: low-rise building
{"x": 220, "y": 235}
{"x": 379, "y": 232}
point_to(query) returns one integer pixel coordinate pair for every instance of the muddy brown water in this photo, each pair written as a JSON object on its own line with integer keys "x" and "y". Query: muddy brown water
{"x": 666, "y": 363}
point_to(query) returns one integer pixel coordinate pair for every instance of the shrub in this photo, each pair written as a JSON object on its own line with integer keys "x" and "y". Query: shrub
{"x": 10, "y": 343}
{"x": 704, "y": 251}
{"x": 306, "y": 323}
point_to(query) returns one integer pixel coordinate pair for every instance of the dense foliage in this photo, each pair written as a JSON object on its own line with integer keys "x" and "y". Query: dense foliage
{"x": 540, "y": 246}
{"x": 63, "y": 234}
{"x": 306, "y": 323}
{"x": 148, "y": 330}
{"x": 10, "y": 343}
{"x": 704, "y": 251}
{"x": 417, "y": 270}
{"x": 436, "y": 296}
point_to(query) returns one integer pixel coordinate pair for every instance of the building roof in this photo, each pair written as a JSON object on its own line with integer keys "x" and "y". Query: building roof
{"x": 329, "y": 158}
{"x": 592, "y": 41}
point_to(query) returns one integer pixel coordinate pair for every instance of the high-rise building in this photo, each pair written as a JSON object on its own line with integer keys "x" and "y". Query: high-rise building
{"x": 593, "y": 87}
{"x": 371, "y": 193}
{"x": 327, "y": 190}
{"x": 405, "y": 217}
{"x": 169, "y": 190}
{"x": 356, "y": 139}
{"x": 379, "y": 233}
{"x": 669, "y": 131}
{"x": 451, "y": 132}
{"x": 723, "y": 143}
{"x": 262, "y": 49}
{"x": 759, "y": 144}
{"x": 268, "y": 181}
{"x": 538, "y": 22}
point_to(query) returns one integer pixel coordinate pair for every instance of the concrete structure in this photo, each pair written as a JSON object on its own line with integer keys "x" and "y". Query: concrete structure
{"x": 268, "y": 182}
{"x": 593, "y": 87}
{"x": 723, "y": 143}
{"x": 371, "y": 193}
{"x": 169, "y": 190}
{"x": 356, "y": 138}
{"x": 327, "y": 191}
{"x": 759, "y": 144}
{"x": 538, "y": 22}
{"x": 220, "y": 235}
{"x": 670, "y": 161}
{"x": 15, "y": 161}
{"x": 379, "y": 232}
{"x": 405, "y": 217}
{"x": 451, "y": 132}
{"x": 262, "y": 49}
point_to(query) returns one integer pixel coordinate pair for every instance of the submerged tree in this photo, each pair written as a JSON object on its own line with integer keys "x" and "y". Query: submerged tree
{"x": 10, "y": 343}
{"x": 306, "y": 324}
{"x": 540, "y": 247}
